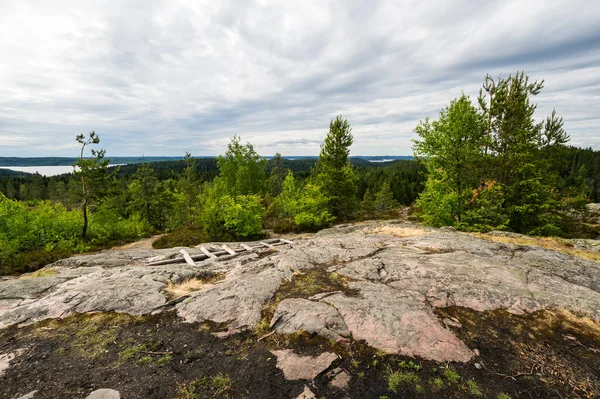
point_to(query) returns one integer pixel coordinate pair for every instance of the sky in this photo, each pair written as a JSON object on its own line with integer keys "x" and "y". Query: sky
{"x": 157, "y": 77}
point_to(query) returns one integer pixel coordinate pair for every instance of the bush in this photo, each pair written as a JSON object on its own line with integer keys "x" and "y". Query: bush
{"x": 228, "y": 218}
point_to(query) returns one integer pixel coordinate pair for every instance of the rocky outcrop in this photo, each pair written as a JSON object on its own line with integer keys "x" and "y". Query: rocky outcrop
{"x": 396, "y": 275}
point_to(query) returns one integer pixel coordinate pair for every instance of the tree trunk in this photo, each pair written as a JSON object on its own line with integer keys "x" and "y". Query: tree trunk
{"x": 85, "y": 220}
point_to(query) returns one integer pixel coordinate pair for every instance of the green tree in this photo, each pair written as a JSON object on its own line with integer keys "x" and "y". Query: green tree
{"x": 92, "y": 173}
{"x": 334, "y": 173}
{"x": 384, "y": 199}
{"x": 367, "y": 205}
{"x": 523, "y": 150}
{"x": 277, "y": 175}
{"x": 241, "y": 170}
{"x": 450, "y": 148}
{"x": 149, "y": 198}
{"x": 188, "y": 188}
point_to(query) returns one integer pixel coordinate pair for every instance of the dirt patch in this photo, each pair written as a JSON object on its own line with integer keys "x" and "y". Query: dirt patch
{"x": 174, "y": 291}
{"x": 48, "y": 272}
{"x": 145, "y": 243}
{"x": 141, "y": 357}
{"x": 545, "y": 354}
{"x": 397, "y": 231}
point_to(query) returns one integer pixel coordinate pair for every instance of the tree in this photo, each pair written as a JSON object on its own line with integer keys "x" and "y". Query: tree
{"x": 231, "y": 207}
{"x": 277, "y": 175}
{"x": 522, "y": 150}
{"x": 450, "y": 148}
{"x": 384, "y": 199}
{"x": 334, "y": 173}
{"x": 241, "y": 170}
{"x": 149, "y": 198}
{"x": 188, "y": 188}
{"x": 92, "y": 173}
{"x": 368, "y": 203}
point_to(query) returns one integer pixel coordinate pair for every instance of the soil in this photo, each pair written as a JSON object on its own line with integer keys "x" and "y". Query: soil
{"x": 544, "y": 354}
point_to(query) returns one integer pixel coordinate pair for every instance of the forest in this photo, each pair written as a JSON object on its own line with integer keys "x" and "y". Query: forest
{"x": 480, "y": 166}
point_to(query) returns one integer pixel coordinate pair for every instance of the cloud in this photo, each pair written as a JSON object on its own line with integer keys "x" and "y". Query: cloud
{"x": 161, "y": 78}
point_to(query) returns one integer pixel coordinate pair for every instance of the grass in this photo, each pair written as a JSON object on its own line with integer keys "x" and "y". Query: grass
{"x": 502, "y": 395}
{"x": 553, "y": 243}
{"x": 49, "y": 272}
{"x": 214, "y": 387}
{"x": 437, "y": 383}
{"x": 473, "y": 388}
{"x": 395, "y": 379}
{"x": 399, "y": 231}
{"x": 452, "y": 376}
{"x": 174, "y": 291}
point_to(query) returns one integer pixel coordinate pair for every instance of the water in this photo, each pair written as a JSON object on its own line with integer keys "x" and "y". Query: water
{"x": 42, "y": 170}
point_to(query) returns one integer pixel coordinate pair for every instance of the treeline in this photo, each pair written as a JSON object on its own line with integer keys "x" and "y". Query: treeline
{"x": 235, "y": 196}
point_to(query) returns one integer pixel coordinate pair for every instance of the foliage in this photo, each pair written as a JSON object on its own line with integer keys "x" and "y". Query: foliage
{"x": 334, "y": 173}
{"x": 384, "y": 199}
{"x": 34, "y": 234}
{"x": 307, "y": 206}
{"x": 492, "y": 168}
{"x": 149, "y": 199}
{"x": 312, "y": 211}
{"x": 226, "y": 217}
{"x": 277, "y": 175}
{"x": 187, "y": 236}
{"x": 450, "y": 148}
{"x": 241, "y": 170}
{"x": 93, "y": 174}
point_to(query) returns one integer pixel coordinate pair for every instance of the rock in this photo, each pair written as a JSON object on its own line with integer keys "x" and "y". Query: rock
{"x": 306, "y": 394}
{"x": 92, "y": 292}
{"x": 341, "y": 380}
{"x": 296, "y": 367}
{"x": 398, "y": 322}
{"x": 30, "y": 395}
{"x": 452, "y": 323}
{"x": 238, "y": 300}
{"x": 5, "y": 359}
{"x": 104, "y": 394}
{"x": 397, "y": 279}
{"x": 292, "y": 315}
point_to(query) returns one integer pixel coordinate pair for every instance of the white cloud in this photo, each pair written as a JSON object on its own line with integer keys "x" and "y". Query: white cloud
{"x": 161, "y": 78}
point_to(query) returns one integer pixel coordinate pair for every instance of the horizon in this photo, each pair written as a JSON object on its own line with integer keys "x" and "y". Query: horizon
{"x": 165, "y": 78}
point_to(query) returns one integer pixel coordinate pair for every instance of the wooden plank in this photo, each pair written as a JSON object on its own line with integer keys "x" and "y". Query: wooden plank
{"x": 267, "y": 244}
{"x": 285, "y": 241}
{"x": 187, "y": 257}
{"x": 226, "y": 248}
{"x": 208, "y": 253}
{"x": 247, "y": 247}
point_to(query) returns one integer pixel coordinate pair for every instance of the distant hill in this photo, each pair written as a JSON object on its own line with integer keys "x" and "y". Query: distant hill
{"x": 13, "y": 173}
{"x": 64, "y": 161}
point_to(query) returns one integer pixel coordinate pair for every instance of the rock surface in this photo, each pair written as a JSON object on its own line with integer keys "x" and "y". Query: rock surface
{"x": 398, "y": 274}
{"x": 104, "y": 394}
{"x": 296, "y": 367}
{"x": 298, "y": 314}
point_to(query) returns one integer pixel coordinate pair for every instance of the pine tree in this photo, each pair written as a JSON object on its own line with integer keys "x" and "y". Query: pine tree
{"x": 522, "y": 150}
{"x": 277, "y": 175}
{"x": 334, "y": 173}
{"x": 92, "y": 173}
